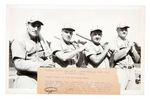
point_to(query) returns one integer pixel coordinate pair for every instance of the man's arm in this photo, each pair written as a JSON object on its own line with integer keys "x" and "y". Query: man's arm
{"x": 97, "y": 59}
{"x": 135, "y": 55}
{"x": 121, "y": 53}
{"x": 124, "y": 52}
{"x": 65, "y": 56}
{"x": 30, "y": 65}
{"x": 26, "y": 65}
{"x": 18, "y": 56}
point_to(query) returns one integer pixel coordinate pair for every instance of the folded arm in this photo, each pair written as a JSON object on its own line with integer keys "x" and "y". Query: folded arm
{"x": 68, "y": 55}
{"x": 98, "y": 58}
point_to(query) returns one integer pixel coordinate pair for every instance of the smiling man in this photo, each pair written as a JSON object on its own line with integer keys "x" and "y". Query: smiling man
{"x": 96, "y": 53}
{"x": 65, "y": 52}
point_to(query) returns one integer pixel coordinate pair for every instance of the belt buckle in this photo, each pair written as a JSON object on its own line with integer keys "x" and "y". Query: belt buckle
{"x": 130, "y": 67}
{"x": 71, "y": 62}
{"x": 125, "y": 67}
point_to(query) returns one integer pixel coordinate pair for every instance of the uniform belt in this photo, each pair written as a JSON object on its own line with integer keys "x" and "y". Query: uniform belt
{"x": 128, "y": 67}
{"x": 26, "y": 73}
{"x": 71, "y": 62}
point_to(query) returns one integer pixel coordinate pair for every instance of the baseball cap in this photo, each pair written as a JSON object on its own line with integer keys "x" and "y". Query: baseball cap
{"x": 122, "y": 26}
{"x": 95, "y": 30}
{"x": 35, "y": 19}
{"x": 68, "y": 27}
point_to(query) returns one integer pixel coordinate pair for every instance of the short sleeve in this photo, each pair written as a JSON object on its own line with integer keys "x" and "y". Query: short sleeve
{"x": 18, "y": 49}
{"x": 113, "y": 46}
{"x": 56, "y": 46}
{"x": 90, "y": 50}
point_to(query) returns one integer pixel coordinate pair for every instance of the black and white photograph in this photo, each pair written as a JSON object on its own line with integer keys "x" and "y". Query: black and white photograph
{"x": 78, "y": 37}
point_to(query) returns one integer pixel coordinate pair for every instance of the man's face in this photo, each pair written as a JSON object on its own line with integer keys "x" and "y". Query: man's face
{"x": 96, "y": 37}
{"x": 67, "y": 35}
{"x": 33, "y": 29}
{"x": 122, "y": 32}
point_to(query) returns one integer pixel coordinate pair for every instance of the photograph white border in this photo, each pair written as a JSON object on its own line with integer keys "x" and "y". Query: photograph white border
{"x": 74, "y": 97}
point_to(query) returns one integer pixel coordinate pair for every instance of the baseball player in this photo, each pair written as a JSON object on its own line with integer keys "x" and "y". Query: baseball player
{"x": 28, "y": 54}
{"x": 95, "y": 52}
{"x": 65, "y": 52}
{"x": 124, "y": 56}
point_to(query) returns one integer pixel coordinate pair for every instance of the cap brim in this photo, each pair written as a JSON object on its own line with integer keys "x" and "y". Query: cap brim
{"x": 69, "y": 29}
{"x": 38, "y": 22}
{"x": 124, "y": 27}
{"x": 96, "y": 30}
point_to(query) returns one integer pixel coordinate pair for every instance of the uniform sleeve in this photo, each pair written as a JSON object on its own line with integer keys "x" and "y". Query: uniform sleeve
{"x": 90, "y": 50}
{"x": 27, "y": 65}
{"x": 18, "y": 54}
{"x": 56, "y": 46}
{"x": 113, "y": 46}
{"x": 18, "y": 49}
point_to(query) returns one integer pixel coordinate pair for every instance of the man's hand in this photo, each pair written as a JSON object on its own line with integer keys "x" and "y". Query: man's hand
{"x": 130, "y": 46}
{"x": 37, "y": 59}
{"x": 83, "y": 47}
{"x": 106, "y": 46}
{"x": 48, "y": 62}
